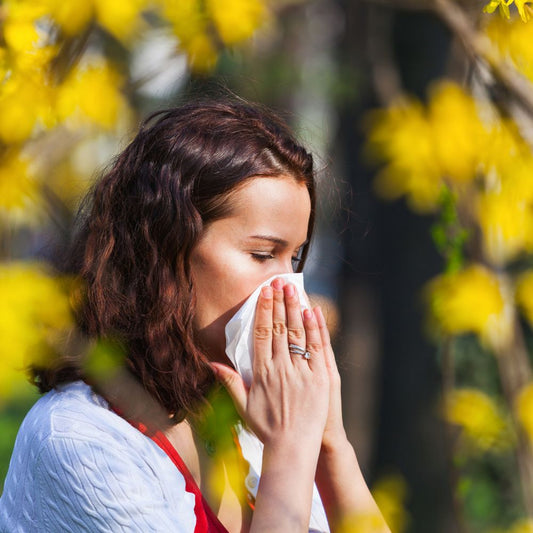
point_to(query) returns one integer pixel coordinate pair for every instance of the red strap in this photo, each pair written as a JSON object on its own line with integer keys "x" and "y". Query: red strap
{"x": 206, "y": 520}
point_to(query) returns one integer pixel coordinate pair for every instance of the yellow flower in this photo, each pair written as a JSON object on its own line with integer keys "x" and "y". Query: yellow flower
{"x": 20, "y": 32}
{"x": 91, "y": 95}
{"x": 482, "y": 424}
{"x": 458, "y": 134}
{"x": 505, "y": 208}
{"x": 471, "y": 301}
{"x": 523, "y": 9}
{"x": 34, "y": 313}
{"x": 506, "y": 221}
{"x": 120, "y": 18}
{"x": 524, "y": 294}
{"x": 18, "y": 187}
{"x": 20, "y": 35}
{"x": 236, "y": 20}
{"x": 33, "y": 63}
{"x": 201, "y": 53}
{"x": 25, "y": 102}
{"x": 193, "y": 22}
{"x": 501, "y": 4}
{"x": 190, "y": 24}
{"x": 524, "y": 409}
{"x": 511, "y": 40}
{"x": 504, "y": 147}
{"x": 72, "y": 16}
{"x": 401, "y": 136}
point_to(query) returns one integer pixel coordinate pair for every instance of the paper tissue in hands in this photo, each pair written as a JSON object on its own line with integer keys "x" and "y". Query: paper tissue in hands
{"x": 240, "y": 349}
{"x": 240, "y": 329}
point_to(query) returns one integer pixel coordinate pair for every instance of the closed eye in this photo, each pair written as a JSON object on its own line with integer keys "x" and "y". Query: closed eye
{"x": 262, "y": 257}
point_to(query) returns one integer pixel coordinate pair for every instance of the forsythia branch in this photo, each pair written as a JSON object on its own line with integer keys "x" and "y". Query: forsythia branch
{"x": 479, "y": 48}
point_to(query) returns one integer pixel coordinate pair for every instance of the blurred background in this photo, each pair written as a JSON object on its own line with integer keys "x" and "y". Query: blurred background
{"x": 419, "y": 115}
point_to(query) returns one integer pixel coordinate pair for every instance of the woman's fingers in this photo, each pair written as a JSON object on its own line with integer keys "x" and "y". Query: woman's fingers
{"x": 313, "y": 340}
{"x": 280, "y": 347}
{"x": 295, "y": 326}
{"x": 263, "y": 328}
{"x": 326, "y": 341}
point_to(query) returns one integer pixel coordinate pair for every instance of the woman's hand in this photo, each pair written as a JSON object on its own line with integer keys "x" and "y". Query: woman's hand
{"x": 289, "y": 395}
{"x": 286, "y": 406}
{"x": 294, "y": 406}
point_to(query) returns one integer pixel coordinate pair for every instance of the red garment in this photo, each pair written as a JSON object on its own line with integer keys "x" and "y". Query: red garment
{"x": 206, "y": 520}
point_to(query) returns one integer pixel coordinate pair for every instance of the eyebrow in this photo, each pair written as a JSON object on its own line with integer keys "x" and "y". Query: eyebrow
{"x": 275, "y": 240}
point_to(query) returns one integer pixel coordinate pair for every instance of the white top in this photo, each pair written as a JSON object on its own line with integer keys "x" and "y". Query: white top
{"x": 79, "y": 467}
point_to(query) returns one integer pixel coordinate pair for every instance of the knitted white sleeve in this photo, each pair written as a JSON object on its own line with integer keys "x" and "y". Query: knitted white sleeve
{"x": 78, "y": 467}
{"x": 86, "y": 487}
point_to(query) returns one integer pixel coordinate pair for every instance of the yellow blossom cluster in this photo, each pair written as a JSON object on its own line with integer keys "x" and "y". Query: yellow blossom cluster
{"x": 76, "y": 97}
{"x": 524, "y": 294}
{"x": 425, "y": 147}
{"x": 524, "y": 10}
{"x": 504, "y": 209}
{"x": 524, "y": 409}
{"x": 483, "y": 425}
{"x": 204, "y": 26}
{"x": 473, "y": 300}
{"x": 31, "y": 95}
{"x": 447, "y": 144}
{"x": 511, "y": 40}
{"x": 18, "y": 187}
{"x": 120, "y": 18}
{"x": 49, "y": 78}
{"x": 34, "y": 315}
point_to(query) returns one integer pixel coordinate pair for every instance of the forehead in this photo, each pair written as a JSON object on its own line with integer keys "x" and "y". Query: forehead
{"x": 278, "y": 206}
{"x": 272, "y": 202}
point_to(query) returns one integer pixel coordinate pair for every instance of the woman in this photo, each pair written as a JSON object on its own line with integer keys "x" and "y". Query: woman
{"x": 206, "y": 203}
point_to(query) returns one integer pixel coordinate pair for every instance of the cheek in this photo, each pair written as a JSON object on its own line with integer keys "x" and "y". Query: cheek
{"x": 221, "y": 287}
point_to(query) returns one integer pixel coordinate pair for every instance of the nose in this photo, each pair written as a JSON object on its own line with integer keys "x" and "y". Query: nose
{"x": 286, "y": 267}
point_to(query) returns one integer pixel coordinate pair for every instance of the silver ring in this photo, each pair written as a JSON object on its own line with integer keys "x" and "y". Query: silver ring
{"x": 294, "y": 349}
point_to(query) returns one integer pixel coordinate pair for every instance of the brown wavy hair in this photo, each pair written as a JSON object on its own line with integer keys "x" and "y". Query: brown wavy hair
{"x": 140, "y": 222}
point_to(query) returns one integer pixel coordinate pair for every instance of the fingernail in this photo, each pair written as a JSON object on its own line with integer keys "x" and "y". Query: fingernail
{"x": 308, "y": 314}
{"x": 289, "y": 290}
{"x": 278, "y": 284}
{"x": 266, "y": 292}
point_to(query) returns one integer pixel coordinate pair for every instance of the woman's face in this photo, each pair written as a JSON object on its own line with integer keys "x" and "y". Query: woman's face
{"x": 264, "y": 232}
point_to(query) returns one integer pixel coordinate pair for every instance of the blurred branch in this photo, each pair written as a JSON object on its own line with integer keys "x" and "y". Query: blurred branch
{"x": 475, "y": 45}
{"x": 479, "y": 48}
{"x": 515, "y": 372}
{"x": 72, "y": 49}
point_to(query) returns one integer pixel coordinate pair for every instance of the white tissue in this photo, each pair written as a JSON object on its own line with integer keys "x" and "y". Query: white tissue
{"x": 239, "y": 330}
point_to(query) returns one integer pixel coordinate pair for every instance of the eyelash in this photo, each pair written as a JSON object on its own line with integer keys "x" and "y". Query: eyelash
{"x": 265, "y": 257}
{"x": 262, "y": 257}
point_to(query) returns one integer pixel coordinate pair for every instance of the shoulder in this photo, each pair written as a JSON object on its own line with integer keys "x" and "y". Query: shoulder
{"x": 77, "y": 458}
{"x": 74, "y": 412}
